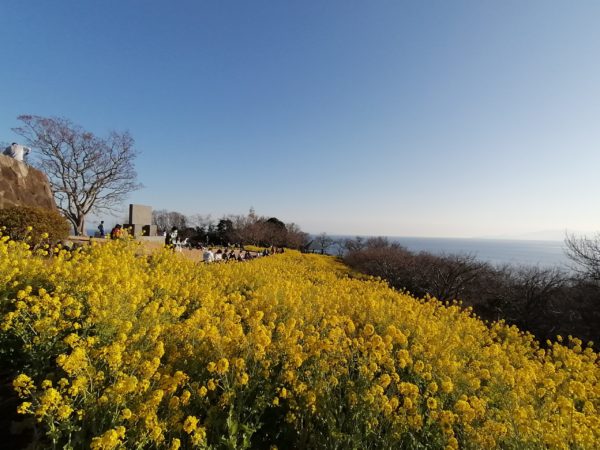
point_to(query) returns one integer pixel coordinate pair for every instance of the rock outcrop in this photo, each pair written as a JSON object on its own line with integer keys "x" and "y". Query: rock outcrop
{"x": 21, "y": 184}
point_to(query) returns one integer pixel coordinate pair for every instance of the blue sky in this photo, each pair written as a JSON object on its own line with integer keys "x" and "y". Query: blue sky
{"x": 424, "y": 118}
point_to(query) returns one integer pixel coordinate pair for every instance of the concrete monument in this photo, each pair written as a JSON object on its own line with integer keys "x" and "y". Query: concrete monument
{"x": 140, "y": 221}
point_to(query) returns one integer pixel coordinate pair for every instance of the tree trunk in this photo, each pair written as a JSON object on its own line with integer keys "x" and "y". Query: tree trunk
{"x": 80, "y": 226}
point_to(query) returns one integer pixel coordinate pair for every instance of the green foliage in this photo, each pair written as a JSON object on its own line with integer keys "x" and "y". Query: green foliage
{"x": 38, "y": 226}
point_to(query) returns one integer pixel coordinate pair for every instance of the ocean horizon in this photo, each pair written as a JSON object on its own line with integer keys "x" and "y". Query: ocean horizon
{"x": 545, "y": 253}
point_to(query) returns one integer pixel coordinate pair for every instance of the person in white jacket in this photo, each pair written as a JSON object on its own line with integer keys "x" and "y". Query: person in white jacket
{"x": 208, "y": 256}
{"x": 16, "y": 151}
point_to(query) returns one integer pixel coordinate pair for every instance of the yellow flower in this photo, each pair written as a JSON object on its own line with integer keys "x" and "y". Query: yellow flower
{"x": 199, "y": 436}
{"x": 23, "y": 385}
{"x": 185, "y": 397}
{"x": 240, "y": 364}
{"x": 64, "y": 412}
{"x": 108, "y": 441}
{"x": 242, "y": 379}
{"x": 384, "y": 380}
{"x": 222, "y": 366}
{"x": 452, "y": 444}
{"x": 24, "y": 408}
{"x": 190, "y": 424}
{"x": 447, "y": 386}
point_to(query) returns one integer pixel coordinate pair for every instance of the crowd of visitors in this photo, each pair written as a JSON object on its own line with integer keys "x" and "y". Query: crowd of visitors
{"x": 227, "y": 255}
{"x": 210, "y": 255}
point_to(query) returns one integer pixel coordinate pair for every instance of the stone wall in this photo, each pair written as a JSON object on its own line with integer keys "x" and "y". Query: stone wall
{"x": 21, "y": 184}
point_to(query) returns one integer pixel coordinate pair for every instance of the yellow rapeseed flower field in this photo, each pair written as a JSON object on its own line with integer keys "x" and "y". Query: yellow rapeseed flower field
{"x": 119, "y": 349}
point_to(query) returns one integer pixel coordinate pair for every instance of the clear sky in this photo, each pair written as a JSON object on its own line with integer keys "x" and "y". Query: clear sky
{"x": 422, "y": 118}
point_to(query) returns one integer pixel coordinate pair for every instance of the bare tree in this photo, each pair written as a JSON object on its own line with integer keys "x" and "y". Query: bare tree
{"x": 585, "y": 253}
{"x": 87, "y": 173}
{"x": 296, "y": 238}
{"x": 246, "y": 228}
{"x": 200, "y": 221}
{"x": 354, "y": 245}
{"x": 249, "y": 228}
{"x": 323, "y": 241}
{"x": 535, "y": 288}
{"x": 449, "y": 275}
{"x": 165, "y": 220}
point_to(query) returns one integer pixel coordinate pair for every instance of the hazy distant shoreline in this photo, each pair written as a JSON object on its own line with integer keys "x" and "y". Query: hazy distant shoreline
{"x": 496, "y": 251}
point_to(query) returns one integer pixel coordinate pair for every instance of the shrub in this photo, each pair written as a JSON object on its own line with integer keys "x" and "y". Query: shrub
{"x": 36, "y": 225}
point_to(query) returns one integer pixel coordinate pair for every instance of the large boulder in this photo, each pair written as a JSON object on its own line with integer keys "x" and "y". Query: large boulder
{"x": 21, "y": 184}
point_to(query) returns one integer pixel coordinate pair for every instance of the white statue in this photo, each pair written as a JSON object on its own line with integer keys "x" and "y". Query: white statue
{"x": 16, "y": 151}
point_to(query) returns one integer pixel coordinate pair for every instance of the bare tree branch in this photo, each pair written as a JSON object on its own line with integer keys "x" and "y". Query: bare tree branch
{"x": 585, "y": 253}
{"x": 86, "y": 173}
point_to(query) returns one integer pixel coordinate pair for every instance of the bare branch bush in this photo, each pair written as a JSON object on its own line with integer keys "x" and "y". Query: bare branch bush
{"x": 545, "y": 301}
{"x": 585, "y": 254}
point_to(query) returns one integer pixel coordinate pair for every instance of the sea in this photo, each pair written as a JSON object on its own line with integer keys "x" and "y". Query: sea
{"x": 495, "y": 251}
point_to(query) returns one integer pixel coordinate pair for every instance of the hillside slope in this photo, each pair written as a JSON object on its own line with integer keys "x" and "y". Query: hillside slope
{"x": 119, "y": 351}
